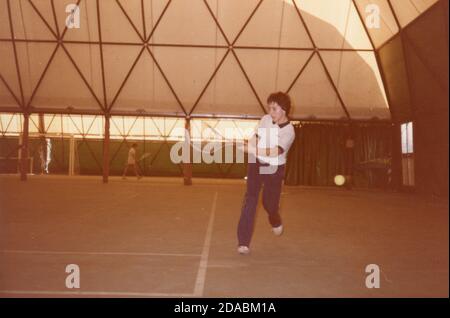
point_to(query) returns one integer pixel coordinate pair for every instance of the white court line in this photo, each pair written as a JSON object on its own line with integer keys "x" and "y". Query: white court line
{"x": 199, "y": 282}
{"x": 91, "y": 293}
{"x": 201, "y": 274}
{"x": 95, "y": 253}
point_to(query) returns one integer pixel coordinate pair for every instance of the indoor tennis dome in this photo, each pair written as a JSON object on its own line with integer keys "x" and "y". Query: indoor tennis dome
{"x": 148, "y": 66}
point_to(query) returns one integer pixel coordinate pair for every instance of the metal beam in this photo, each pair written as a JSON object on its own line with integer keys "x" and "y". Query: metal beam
{"x": 217, "y": 23}
{"x": 10, "y": 90}
{"x": 158, "y": 21}
{"x": 178, "y": 45}
{"x": 10, "y": 110}
{"x": 16, "y": 59}
{"x": 129, "y": 20}
{"x": 105, "y": 103}
{"x": 246, "y": 22}
{"x": 143, "y": 19}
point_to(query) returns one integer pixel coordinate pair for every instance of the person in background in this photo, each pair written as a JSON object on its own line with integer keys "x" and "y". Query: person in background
{"x": 131, "y": 162}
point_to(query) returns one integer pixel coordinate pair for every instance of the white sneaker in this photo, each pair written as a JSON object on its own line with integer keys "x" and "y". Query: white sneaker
{"x": 278, "y": 230}
{"x": 243, "y": 250}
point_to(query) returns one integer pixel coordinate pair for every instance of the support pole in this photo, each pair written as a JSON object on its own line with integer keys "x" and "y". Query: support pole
{"x": 187, "y": 166}
{"x": 24, "y": 148}
{"x": 106, "y": 149}
{"x": 71, "y": 155}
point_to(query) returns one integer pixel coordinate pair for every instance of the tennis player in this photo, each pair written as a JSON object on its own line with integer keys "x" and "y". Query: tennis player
{"x": 269, "y": 146}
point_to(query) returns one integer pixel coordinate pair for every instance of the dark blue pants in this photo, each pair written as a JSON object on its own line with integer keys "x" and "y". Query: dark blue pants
{"x": 271, "y": 198}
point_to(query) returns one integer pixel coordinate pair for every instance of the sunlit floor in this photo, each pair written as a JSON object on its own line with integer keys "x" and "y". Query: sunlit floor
{"x": 157, "y": 238}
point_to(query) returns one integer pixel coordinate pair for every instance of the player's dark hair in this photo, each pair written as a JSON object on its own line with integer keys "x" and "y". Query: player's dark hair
{"x": 281, "y": 99}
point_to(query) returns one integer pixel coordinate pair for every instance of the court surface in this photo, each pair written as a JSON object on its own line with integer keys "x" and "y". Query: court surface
{"x": 157, "y": 238}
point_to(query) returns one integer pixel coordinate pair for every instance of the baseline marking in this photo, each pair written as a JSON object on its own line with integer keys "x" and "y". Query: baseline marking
{"x": 203, "y": 266}
{"x": 96, "y": 253}
{"x": 92, "y": 293}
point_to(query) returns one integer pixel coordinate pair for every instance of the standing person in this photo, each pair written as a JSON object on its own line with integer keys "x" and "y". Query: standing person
{"x": 269, "y": 147}
{"x": 42, "y": 158}
{"x": 131, "y": 162}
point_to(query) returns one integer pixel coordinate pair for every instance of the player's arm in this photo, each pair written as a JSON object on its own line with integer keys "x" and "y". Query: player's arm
{"x": 270, "y": 152}
{"x": 250, "y": 147}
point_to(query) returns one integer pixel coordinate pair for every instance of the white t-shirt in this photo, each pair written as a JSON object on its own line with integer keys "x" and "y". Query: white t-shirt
{"x": 132, "y": 156}
{"x": 272, "y": 135}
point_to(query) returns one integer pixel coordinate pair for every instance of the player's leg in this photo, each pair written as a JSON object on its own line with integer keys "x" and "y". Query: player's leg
{"x": 246, "y": 221}
{"x": 137, "y": 171}
{"x": 125, "y": 170}
{"x": 271, "y": 198}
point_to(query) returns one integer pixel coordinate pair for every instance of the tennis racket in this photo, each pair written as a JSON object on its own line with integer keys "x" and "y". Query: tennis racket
{"x": 145, "y": 155}
{"x": 217, "y": 132}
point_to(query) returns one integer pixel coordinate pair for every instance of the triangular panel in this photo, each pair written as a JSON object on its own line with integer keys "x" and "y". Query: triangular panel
{"x": 153, "y": 11}
{"x": 87, "y": 58}
{"x": 232, "y": 14}
{"x": 279, "y": 71}
{"x": 359, "y": 83}
{"x": 33, "y": 58}
{"x": 63, "y": 88}
{"x": 229, "y": 93}
{"x": 5, "y": 31}
{"x": 334, "y": 24}
{"x": 8, "y": 67}
{"x": 146, "y": 90}
{"x": 6, "y": 98}
{"x": 27, "y": 24}
{"x": 188, "y": 22}
{"x": 275, "y": 24}
{"x": 118, "y": 60}
{"x": 115, "y": 25}
{"x": 45, "y": 9}
{"x": 133, "y": 9}
{"x": 198, "y": 64}
{"x": 408, "y": 10}
{"x": 313, "y": 95}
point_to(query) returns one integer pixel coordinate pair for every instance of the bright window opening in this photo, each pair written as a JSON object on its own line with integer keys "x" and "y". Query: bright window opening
{"x": 407, "y": 138}
{"x": 407, "y": 154}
